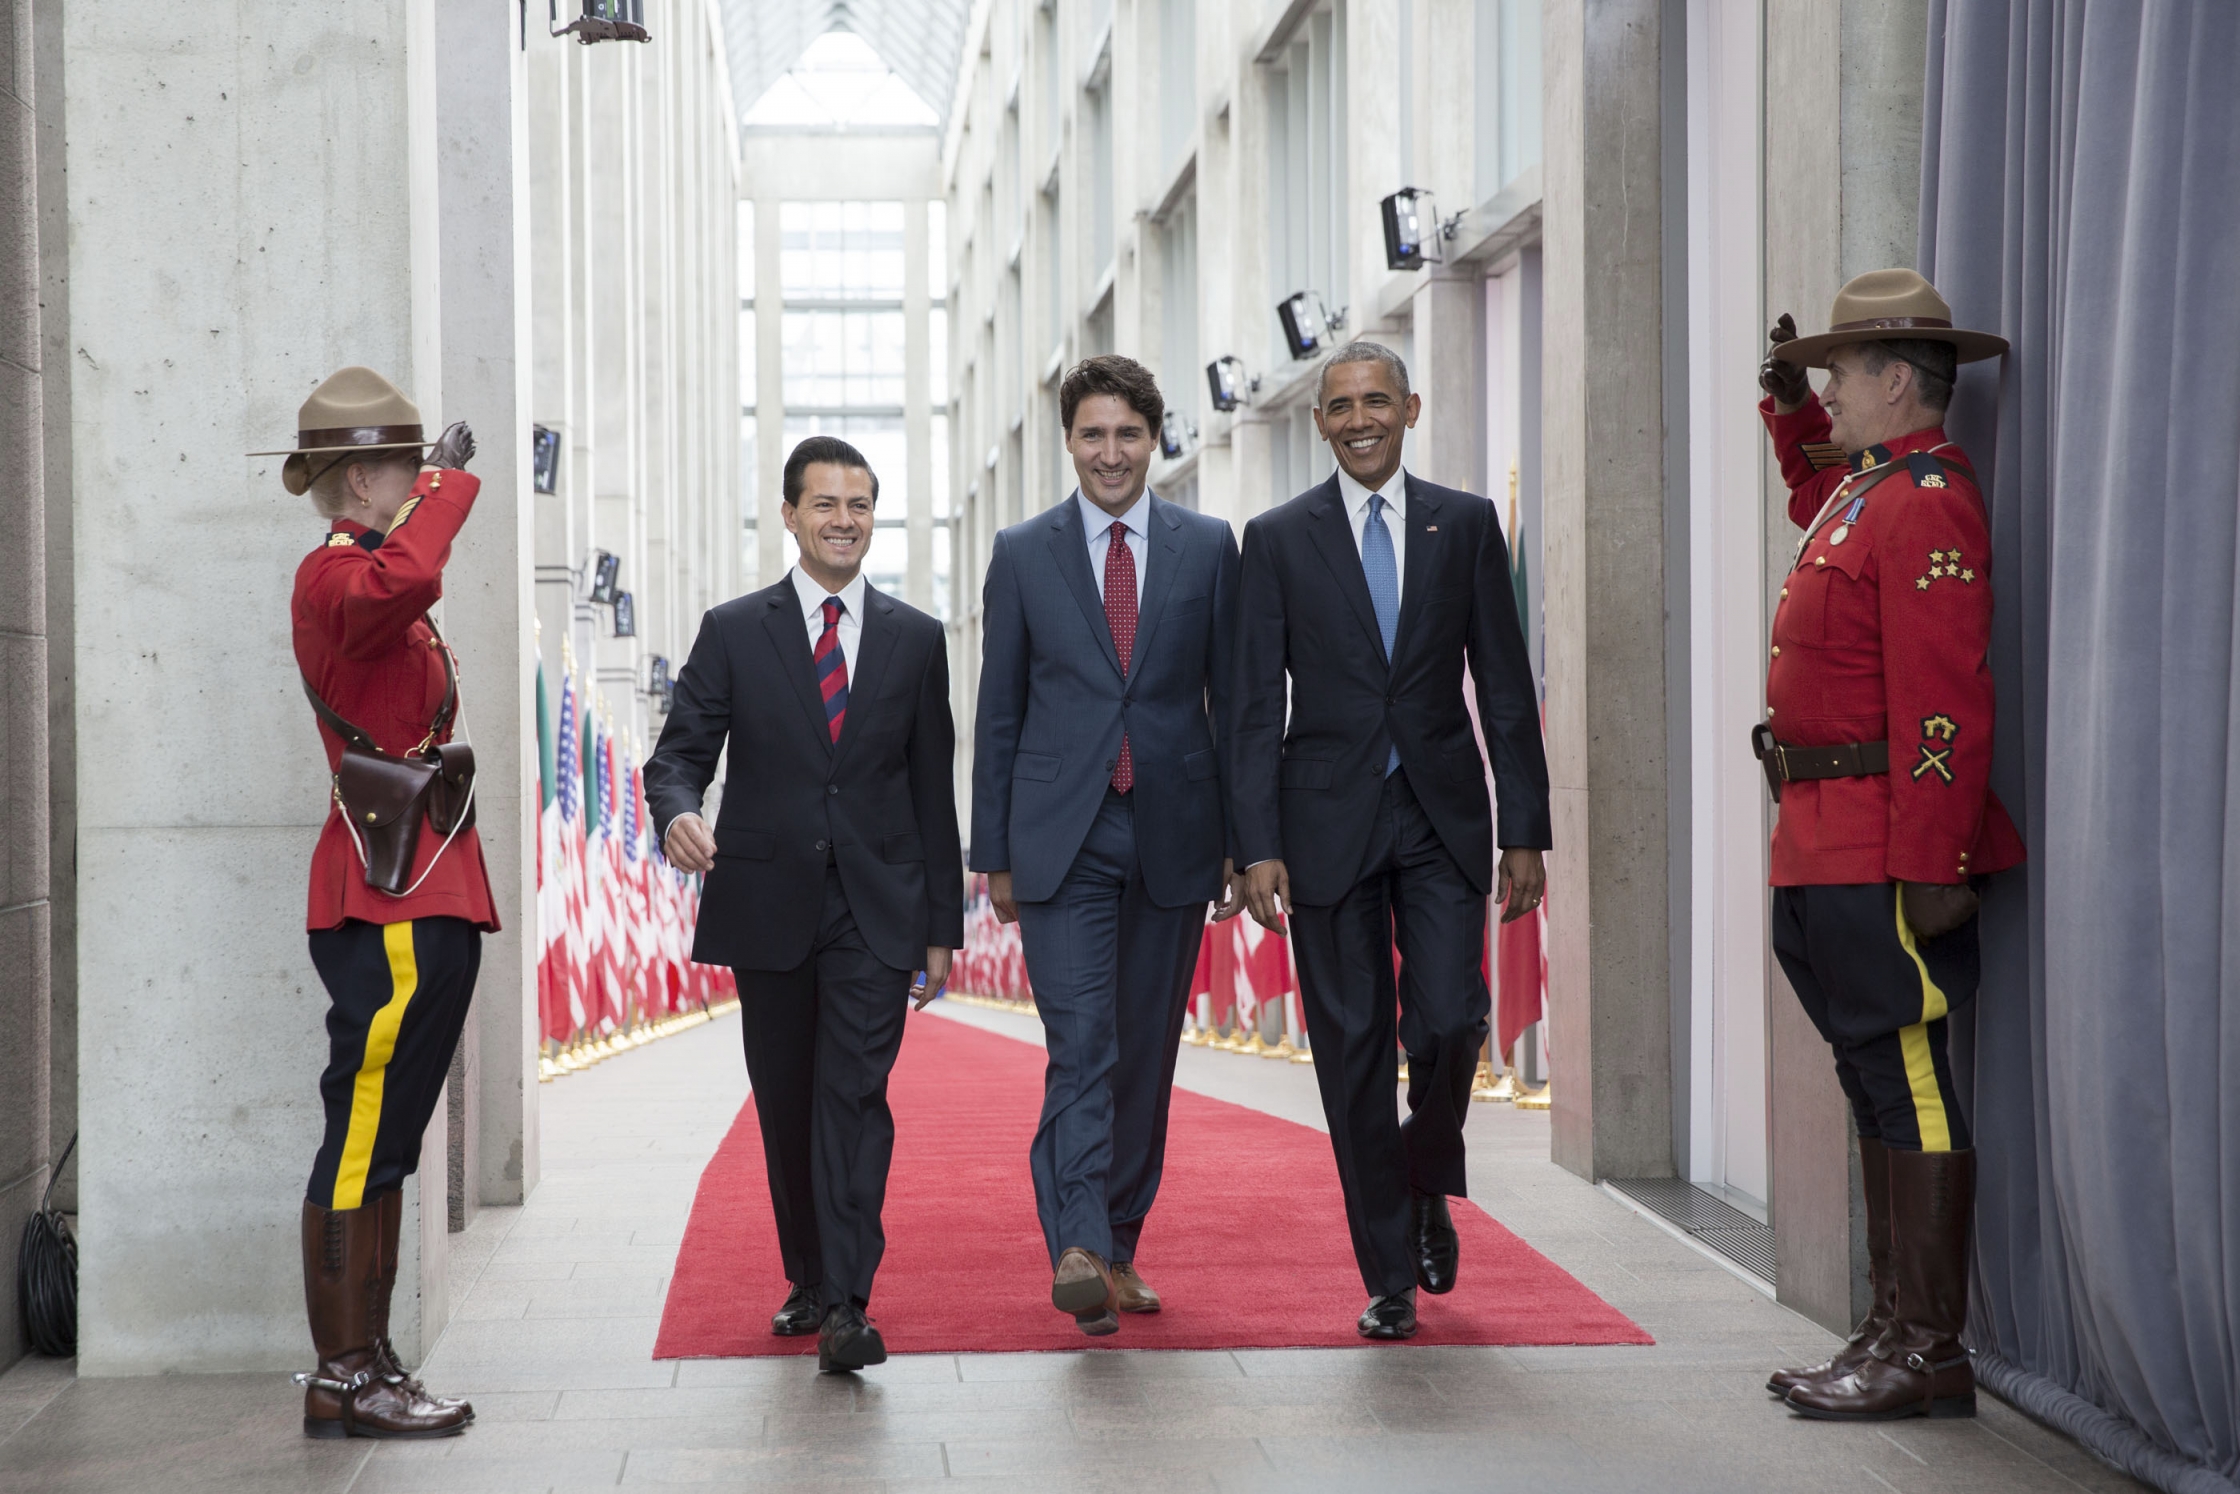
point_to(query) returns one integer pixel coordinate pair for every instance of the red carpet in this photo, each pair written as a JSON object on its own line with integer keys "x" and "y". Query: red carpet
{"x": 1248, "y": 1203}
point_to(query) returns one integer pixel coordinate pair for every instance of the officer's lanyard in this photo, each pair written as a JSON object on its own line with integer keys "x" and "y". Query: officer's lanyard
{"x": 1851, "y": 514}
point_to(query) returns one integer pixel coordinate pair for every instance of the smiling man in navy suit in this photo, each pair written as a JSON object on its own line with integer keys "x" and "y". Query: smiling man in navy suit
{"x": 1098, "y": 813}
{"x": 1360, "y": 803}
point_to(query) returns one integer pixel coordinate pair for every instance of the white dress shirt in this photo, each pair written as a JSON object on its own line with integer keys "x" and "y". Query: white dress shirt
{"x": 812, "y": 596}
{"x": 1095, "y": 522}
{"x": 1395, "y": 495}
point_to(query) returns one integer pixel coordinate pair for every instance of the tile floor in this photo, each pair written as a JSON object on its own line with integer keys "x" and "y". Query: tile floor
{"x": 556, "y": 1305}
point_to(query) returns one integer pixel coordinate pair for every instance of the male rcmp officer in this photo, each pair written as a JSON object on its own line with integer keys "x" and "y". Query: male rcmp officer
{"x": 1877, "y": 742}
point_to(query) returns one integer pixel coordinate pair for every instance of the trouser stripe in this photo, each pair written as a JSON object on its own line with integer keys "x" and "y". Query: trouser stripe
{"x": 1921, "y": 1067}
{"x": 381, "y": 1042}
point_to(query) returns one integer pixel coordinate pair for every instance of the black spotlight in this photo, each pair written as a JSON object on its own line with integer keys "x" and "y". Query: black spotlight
{"x": 625, "y": 615}
{"x": 601, "y": 20}
{"x": 1412, "y": 230}
{"x": 1308, "y": 323}
{"x": 544, "y": 458}
{"x": 1175, "y": 436}
{"x": 1230, "y": 384}
{"x": 605, "y": 570}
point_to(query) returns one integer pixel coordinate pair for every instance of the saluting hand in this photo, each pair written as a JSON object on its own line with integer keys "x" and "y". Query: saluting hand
{"x": 1784, "y": 380}
{"x": 454, "y": 448}
{"x": 688, "y": 845}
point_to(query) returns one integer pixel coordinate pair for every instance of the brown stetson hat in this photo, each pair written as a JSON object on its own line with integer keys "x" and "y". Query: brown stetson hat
{"x": 1882, "y": 305}
{"x": 356, "y": 410}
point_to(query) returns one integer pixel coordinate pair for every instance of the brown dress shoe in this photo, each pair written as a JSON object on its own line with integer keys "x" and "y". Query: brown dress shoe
{"x": 1082, "y": 1285}
{"x": 1918, "y": 1367}
{"x": 359, "y": 1390}
{"x": 1130, "y": 1292}
{"x": 1874, "y": 1173}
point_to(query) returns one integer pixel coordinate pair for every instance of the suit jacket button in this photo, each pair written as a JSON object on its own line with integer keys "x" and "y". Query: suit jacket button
{"x": 822, "y": 846}
{"x": 832, "y": 788}
{"x": 1110, "y": 763}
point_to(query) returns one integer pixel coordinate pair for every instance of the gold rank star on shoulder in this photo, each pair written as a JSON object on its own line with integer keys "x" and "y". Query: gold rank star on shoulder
{"x": 1943, "y": 563}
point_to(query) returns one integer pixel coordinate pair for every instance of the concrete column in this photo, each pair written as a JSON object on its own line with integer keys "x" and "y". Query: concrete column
{"x": 1609, "y": 1010}
{"x": 24, "y": 932}
{"x": 201, "y": 1018}
{"x": 917, "y": 402}
{"x": 1448, "y": 445}
{"x": 769, "y": 378}
{"x": 482, "y": 128}
{"x": 551, "y": 139}
{"x": 1842, "y": 196}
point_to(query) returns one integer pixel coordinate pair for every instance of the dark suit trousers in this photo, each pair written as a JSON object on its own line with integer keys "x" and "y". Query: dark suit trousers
{"x": 821, "y": 1039}
{"x": 1410, "y": 892}
{"x": 1111, "y": 974}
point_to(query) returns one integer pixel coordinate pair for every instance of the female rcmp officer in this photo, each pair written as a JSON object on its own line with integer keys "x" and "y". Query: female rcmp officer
{"x": 398, "y": 962}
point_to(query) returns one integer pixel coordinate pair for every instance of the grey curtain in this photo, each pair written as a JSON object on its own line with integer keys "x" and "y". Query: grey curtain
{"x": 2081, "y": 195}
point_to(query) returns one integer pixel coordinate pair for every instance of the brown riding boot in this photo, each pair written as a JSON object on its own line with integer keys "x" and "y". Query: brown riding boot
{"x": 391, "y": 1205}
{"x": 1874, "y": 1173}
{"x": 352, "y": 1394}
{"x": 1918, "y": 1367}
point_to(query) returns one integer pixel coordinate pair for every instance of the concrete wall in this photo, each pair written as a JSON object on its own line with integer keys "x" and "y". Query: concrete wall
{"x": 25, "y": 1008}
{"x": 1609, "y": 997}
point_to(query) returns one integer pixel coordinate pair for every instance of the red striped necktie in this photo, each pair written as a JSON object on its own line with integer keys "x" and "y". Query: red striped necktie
{"x": 832, "y": 669}
{"x": 1120, "y": 616}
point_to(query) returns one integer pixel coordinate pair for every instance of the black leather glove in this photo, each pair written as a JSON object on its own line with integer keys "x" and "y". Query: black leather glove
{"x": 1784, "y": 380}
{"x": 1934, "y": 908}
{"x": 453, "y": 449}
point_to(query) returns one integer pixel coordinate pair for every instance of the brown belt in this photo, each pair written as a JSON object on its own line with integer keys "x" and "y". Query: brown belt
{"x": 1787, "y": 764}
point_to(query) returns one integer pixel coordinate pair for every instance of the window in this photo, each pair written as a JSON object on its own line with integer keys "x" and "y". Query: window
{"x": 1178, "y": 252}
{"x": 1098, "y": 103}
{"x": 835, "y": 359}
{"x": 831, "y": 251}
{"x": 1307, "y": 168}
{"x": 1508, "y": 99}
{"x": 1178, "y": 80}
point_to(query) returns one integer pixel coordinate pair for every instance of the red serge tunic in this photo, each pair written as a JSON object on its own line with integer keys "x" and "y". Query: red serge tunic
{"x": 1882, "y": 636}
{"x": 363, "y": 641}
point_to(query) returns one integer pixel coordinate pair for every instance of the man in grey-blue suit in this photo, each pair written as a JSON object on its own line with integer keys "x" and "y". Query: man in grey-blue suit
{"x": 1099, "y": 816}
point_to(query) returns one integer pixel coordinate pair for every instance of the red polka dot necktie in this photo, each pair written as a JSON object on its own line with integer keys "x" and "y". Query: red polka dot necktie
{"x": 832, "y": 669}
{"x": 1120, "y": 616}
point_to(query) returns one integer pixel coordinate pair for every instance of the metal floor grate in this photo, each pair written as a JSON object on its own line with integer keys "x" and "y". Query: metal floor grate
{"x": 1721, "y": 1227}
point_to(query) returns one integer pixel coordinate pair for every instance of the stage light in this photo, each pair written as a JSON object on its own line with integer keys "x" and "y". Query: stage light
{"x": 1308, "y": 323}
{"x": 1413, "y": 234}
{"x": 544, "y": 458}
{"x": 1230, "y": 384}
{"x": 625, "y": 615}
{"x": 1176, "y": 436}
{"x": 601, "y": 20}
{"x": 605, "y": 569}
{"x": 659, "y": 685}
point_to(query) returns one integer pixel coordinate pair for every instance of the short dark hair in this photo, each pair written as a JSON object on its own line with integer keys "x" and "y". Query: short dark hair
{"x": 1360, "y": 351}
{"x": 1935, "y": 364}
{"x": 823, "y": 449}
{"x": 1109, "y": 373}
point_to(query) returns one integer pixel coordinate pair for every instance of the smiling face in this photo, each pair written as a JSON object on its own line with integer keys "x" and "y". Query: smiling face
{"x": 831, "y": 522}
{"x": 1868, "y": 406}
{"x": 1111, "y": 444}
{"x": 1364, "y": 417}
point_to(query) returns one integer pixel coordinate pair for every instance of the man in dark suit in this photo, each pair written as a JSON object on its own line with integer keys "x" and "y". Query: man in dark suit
{"x": 833, "y": 872}
{"x": 1366, "y": 816}
{"x": 1097, "y": 812}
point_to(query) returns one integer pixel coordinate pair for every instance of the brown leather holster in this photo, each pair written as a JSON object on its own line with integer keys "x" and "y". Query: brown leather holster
{"x": 1784, "y": 763}
{"x": 386, "y": 797}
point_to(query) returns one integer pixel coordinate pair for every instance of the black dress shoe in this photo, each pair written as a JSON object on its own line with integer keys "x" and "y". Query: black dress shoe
{"x": 800, "y": 1314}
{"x": 848, "y": 1342}
{"x": 1432, "y": 1238}
{"x": 1390, "y": 1317}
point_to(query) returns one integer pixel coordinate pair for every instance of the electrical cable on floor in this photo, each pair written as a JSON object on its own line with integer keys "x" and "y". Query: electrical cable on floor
{"x": 47, "y": 1274}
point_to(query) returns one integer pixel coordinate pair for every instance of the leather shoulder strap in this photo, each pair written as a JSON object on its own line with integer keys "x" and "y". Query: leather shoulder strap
{"x": 358, "y": 737}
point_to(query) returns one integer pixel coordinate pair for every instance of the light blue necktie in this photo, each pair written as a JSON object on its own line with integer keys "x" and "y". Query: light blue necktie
{"x": 1383, "y": 573}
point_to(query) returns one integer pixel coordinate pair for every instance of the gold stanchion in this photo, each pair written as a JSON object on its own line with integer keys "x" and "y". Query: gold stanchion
{"x": 1481, "y": 1087}
{"x": 1280, "y": 1049}
{"x": 1304, "y": 1055}
{"x": 1536, "y": 1099}
{"x": 1403, "y": 1071}
{"x": 1253, "y": 1045}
